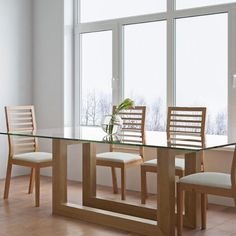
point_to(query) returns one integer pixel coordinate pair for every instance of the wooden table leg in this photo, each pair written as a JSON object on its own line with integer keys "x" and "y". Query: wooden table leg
{"x": 166, "y": 191}
{"x": 89, "y": 172}
{"x": 192, "y": 216}
{"x": 59, "y": 173}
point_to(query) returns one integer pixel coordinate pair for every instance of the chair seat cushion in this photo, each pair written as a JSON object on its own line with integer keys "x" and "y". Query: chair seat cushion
{"x": 179, "y": 163}
{"x": 118, "y": 157}
{"x": 211, "y": 179}
{"x": 36, "y": 157}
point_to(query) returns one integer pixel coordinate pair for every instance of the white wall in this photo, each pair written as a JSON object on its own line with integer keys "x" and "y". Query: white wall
{"x": 48, "y": 62}
{"x": 48, "y": 39}
{"x": 15, "y": 64}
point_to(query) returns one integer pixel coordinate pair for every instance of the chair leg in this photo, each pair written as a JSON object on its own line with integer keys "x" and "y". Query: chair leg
{"x": 207, "y": 205}
{"x": 114, "y": 180}
{"x": 123, "y": 183}
{"x": 37, "y": 186}
{"x": 32, "y": 179}
{"x": 143, "y": 185}
{"x": 7, "y": 181}
{"x": 203, "y": 209}
{"x": 180, "y": 204}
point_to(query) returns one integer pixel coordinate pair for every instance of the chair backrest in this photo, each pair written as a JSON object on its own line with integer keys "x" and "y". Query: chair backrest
{"x": 21, "y": 119}
{"x": 186, "y": 126}
{"x": 133, "y": 129}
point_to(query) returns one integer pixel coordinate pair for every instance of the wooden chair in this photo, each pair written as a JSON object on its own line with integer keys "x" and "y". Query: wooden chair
{"x": 24, "y": 151}
{"x": 123, "y": 156}
{"x": 185, "y": 128}
{"x": 206, "y": 183}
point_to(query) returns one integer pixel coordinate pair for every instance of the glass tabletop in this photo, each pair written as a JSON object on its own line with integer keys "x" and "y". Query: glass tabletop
{"x": 153, "y": 139}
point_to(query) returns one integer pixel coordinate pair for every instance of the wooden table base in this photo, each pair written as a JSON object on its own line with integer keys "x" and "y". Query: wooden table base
{"x": 137, "y": 219}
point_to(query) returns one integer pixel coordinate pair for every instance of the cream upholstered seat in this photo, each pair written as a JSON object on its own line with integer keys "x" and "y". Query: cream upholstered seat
{"x": 118, "y": 157}
{"x": 36, "y": 157}
{"x": 214, "y": 183}
{"x": 185, "y": 128}
{"x": 123, "y": 157}
{"x": 179, "y": 163}
{"x": 211, "y": 179}
{"x": 24, "y": 150}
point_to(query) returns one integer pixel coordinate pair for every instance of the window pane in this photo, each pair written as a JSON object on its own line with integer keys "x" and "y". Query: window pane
{"x": 202, "y": 67}
{"x": 96, "y": 64}
{"x": 145, "y": 70}
{"x": 183, "y": 4}
{"x": 95, "y": 10}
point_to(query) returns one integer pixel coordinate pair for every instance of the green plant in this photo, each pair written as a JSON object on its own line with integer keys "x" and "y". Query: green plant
{"x": 126, "y": 104}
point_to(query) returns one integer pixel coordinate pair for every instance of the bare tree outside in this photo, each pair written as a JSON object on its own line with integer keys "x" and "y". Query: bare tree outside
{"x": 221, "y": 126}
{"x": 155, "y": 116}
{"x": 90, "y": 109}
{"x": 105, "y": 104}
{"x": 95, "y": 106}
{"x": 209, "y": 124}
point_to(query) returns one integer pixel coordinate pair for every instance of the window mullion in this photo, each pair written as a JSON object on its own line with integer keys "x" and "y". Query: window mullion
{"x": 231, "y": 72}
{"x": 170, "y": 53}
{"x": 117, "y": 80}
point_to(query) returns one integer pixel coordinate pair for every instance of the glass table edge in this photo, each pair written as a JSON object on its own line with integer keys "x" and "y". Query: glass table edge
{"x": 120, "y": 143}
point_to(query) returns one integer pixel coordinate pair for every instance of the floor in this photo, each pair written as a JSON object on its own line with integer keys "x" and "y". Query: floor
{"x": 19, "y": 217}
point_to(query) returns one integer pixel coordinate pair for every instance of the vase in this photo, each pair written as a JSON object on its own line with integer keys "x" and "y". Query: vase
{"x": 112, "y": 124}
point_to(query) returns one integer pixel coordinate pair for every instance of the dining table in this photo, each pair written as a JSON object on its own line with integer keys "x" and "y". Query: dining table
{"x": 136, "y": 218}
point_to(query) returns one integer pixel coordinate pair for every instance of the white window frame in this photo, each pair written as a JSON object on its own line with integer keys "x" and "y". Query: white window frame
{"x": 116, "y": 26}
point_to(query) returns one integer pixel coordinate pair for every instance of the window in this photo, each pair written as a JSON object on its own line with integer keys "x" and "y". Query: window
{"x": 159, "y": 56}
{"x": 145, "y": 60}
{"x": 96, "y": 74}
{"x": 202, "y": 67}
{"x": 97, "y": 10}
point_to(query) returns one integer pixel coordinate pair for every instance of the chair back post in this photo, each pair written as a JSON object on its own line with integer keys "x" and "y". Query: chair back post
{"x": 133, "y": 130}
{"x": 34, "y": 128}
{"x": 21, "y": 119}
{"x": 10, "y": 138}
{"x": 233, "y": 175}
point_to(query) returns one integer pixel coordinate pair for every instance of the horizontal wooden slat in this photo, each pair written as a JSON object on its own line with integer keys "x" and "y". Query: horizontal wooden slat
{"x": 186, "y": 121}
{"x": 185, "y": 115}
{"x": 22, "y": 139}
{"x": 133, "y": 135}
{"x": 185, "y": 126}
{"x": 24, "y": 144}
{"x": 186, "y": 140}
{"x": 185, "y": 132}
{"x": 23, "y": 124}
{"x": 131, "y": 118}
{"x": 25, "y": 130}
{"x": 21, "y": 108}
{"x": 19, "y": 119}
{"x": 21, "y": 114}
